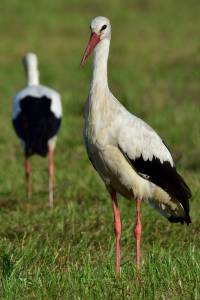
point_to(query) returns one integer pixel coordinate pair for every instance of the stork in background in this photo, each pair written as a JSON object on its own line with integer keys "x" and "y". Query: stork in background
{"x": 128, "y": 154}
{"x": 36, "y": 117}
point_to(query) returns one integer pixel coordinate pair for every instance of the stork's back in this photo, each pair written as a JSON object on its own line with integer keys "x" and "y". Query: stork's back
{"x": 36, "y": 124}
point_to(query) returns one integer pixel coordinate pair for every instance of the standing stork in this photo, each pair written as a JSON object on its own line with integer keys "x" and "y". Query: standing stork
{"x": 128, "y": 154}
{"x": 36, "y": 116}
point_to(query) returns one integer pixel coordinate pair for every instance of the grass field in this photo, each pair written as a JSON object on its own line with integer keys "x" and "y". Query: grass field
{"x": 154, "y": 70}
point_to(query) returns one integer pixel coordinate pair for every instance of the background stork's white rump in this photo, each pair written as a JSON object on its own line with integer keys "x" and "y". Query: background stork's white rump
{"x": 36, "y": 116}
{"x": 128, "y": 154}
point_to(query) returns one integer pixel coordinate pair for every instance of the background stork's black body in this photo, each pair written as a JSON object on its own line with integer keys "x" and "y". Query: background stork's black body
{"x": 36, "y": 124}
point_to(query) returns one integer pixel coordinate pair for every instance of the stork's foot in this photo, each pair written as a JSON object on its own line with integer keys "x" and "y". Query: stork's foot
{"x": 28, "y": 189}
{"x": 50, "y": 194}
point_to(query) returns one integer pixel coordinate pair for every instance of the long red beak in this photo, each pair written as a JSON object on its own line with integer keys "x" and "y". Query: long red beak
{"x": 93, "y": 41}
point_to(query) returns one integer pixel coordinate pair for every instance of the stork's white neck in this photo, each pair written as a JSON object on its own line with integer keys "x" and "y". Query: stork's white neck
{"x": 32, "y": 75}
{"x": 100, "y": 62}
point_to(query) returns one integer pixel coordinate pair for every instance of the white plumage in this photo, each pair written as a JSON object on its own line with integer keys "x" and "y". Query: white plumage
{"x": 127, "y": 153}
{"x": 38, "y": 91}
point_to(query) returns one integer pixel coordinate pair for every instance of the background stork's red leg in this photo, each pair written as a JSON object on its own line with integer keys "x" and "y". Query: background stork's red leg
{"x": 28, "y": 177}
{"x": 138, "y": 232}
{"x": 117, "y": 229}
{"x": 51, "y": 177}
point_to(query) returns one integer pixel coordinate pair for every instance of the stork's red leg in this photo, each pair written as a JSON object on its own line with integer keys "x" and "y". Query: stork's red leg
{"x": 51, "y": 177}
{"x": 117, "y": 229}
{"x": 138, "y": 232}
{"x": 28, "y": 177}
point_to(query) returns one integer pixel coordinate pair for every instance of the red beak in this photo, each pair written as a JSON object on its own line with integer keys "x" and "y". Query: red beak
{"x": 93, "y": 41}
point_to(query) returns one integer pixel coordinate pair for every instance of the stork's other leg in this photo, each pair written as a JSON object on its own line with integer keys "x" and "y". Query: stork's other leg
{"x": 117, "y": 229}
{"x": 28, "y": 177}
{"x": 51, "y": 176}
{"x": 138, "y": 232}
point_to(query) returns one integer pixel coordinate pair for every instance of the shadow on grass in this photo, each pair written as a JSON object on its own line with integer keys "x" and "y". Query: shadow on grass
{"x": 9, "y": 203}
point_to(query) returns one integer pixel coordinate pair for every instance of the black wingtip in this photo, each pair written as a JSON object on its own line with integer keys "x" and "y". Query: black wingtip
{"x": 181, "y": 220}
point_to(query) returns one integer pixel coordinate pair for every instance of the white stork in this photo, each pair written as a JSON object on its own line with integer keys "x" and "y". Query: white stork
{"x": 36, "y": 116}
{"x": 128, "y": 154}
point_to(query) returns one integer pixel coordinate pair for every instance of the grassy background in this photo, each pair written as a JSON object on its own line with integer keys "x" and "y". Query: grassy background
{"x": 154, "y": 70}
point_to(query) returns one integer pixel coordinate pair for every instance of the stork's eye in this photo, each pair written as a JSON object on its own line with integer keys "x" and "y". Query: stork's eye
{"x": 103, "y": 27}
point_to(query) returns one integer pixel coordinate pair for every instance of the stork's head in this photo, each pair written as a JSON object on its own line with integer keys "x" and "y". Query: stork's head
{"x": 30, "y": 61}
{"x": 100, "y": 30}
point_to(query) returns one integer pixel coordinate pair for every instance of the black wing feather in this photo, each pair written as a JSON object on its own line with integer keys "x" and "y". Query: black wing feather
{"x": 166, "y": 177}
{"x": 36, "y": 124}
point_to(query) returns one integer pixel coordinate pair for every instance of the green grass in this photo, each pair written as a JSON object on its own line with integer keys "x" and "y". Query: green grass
{"x": 154, "y": 70}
